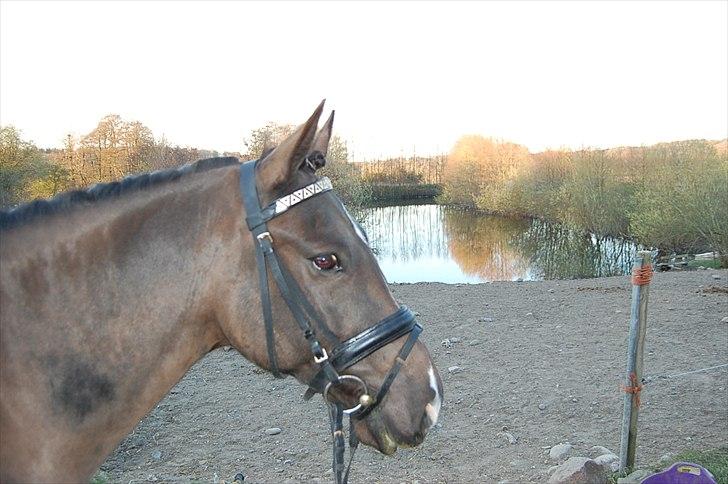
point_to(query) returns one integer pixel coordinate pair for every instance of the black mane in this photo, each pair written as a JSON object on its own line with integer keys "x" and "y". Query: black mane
{"x": 28, "y": 212}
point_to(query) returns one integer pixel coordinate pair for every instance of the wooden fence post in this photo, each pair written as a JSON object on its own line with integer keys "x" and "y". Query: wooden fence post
{"x": 641, "y": 276}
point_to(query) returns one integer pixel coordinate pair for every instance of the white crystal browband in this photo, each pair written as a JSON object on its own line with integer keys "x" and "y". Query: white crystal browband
{"x": 323, "y": 184}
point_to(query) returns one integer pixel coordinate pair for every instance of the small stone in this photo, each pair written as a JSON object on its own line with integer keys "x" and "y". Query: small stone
{"x": 446, "y": 343}
{"x": 273, "y": 431}
{"x": 529, "y": 314}
{"x": 607, "y": 460}
{"x": 716, "y": 276}
{"x": 485, "y": 320}
{"x": 724, "y": 320}
{"x": 520, "y": 279}
{"x": 455, "y": 340}
{"x": 542, "y": 406}
{"x": 454, "y": 369}
{"x": 551, "y": 290}
{"x": 635, "y": 478}
{"x": 574, "y": 400}
{"x": 670, "y": 309}
{"x": 156, "y": 455}
{"x": 667, "y": 458}
{"x": 509, "y": 436}
{"x": 559, "y": 451}
{"x": 598, "y": 450}
{"x": 474, "y": 342}
{"x": 578, "y": 470}
{"x": 288, "y": 461}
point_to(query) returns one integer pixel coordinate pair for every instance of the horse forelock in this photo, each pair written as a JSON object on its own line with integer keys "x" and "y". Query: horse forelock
{"x": 33, "y": 211}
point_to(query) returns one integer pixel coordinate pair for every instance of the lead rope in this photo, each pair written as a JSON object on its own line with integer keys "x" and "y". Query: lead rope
{"x": 336, "y": 419}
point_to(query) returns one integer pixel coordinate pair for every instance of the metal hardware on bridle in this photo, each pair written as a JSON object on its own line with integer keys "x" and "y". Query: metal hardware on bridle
{"x": 344, "y": 354}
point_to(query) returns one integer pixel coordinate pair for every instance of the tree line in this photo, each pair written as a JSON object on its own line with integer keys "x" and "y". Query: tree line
{"x": 116, "y": 148}
{"x": 669, "y": 195}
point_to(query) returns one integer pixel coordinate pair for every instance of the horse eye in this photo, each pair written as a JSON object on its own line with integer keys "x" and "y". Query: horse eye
{"x": 325, "y": 262}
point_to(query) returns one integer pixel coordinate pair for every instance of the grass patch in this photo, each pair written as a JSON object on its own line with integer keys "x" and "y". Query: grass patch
{"x": 707, "y": 263}
{"x": 716, "y": 461}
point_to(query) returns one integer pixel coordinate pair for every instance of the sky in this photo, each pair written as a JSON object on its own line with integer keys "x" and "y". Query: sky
{"x": 404, "y": 77}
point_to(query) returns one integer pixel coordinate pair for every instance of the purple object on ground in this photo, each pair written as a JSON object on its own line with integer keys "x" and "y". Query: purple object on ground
{"x": 682, "y": 473}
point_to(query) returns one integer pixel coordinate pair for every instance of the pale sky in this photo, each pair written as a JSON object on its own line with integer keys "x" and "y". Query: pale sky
{"x": 401, "y": 76}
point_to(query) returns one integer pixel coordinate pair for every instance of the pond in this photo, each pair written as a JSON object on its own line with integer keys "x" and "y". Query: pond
{"x": 434, "y": 243}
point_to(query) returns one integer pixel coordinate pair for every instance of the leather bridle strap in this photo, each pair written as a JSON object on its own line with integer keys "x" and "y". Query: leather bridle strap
{"x": 266, "y": 258}
{"x": 365, "y": 343}
{"x": 398, "y": 362}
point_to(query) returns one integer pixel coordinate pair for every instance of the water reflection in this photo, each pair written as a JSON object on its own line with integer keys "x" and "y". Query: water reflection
{"x": 434, "y": 243}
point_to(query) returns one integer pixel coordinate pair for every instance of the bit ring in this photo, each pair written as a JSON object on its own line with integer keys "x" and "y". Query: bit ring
{"x": 343, "y": 378}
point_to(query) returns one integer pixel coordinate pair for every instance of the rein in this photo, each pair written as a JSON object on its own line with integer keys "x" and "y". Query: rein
{"x": 344, "y": 354}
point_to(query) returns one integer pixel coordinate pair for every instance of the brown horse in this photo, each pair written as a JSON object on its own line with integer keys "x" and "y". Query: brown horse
{"x": 109, "y": 295}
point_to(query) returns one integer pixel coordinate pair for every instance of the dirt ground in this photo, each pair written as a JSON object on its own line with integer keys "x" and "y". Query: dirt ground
{"x": 542, "y": 361}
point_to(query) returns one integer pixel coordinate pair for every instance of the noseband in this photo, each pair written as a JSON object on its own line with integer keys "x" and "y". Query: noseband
{"x": 344, "y": 354}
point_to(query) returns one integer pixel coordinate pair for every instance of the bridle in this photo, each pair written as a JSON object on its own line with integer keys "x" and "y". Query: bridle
{"x": 345, "y": 353}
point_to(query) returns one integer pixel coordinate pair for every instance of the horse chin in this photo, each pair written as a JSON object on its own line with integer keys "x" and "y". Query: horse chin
{"x": 374, "y": 433}
{"x": 387, "y": 444}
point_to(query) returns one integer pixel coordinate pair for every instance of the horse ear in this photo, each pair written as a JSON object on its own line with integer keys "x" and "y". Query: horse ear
{"x": 320, "y": 145}
{"x": 276, "y": 168}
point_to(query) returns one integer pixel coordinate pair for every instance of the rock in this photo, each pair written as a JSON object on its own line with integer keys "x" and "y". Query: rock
{"x": 156, "y": 454}
{"x": 724, "y": 320}
{"x": 510, "y": 437}
{"x": 667, "y": 458}
{"x": 598, "y": 450}
{"x": 578, "y": 470}
{"x": 542, "y": 406}
{"x": 520, "y": 279}
{"x": 454, "y": 369}
{"x": 610, "y": 462}
{"x": 485, "y": 320}
{"x": 635, "y": 478}
{"x": 529, "y": 314}
{"x": 273, "y": 431}
{"x": 446, "y": 343}
{"x": 560, "y": 451}
{"x": 551, "y": 291}
{"x": 476, "y": 342}
{"x": 716, "y": 276}
{"x": 455, "y": 340}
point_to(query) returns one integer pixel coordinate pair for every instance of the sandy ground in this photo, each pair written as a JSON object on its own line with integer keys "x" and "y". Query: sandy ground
{"x": 542, "y": 361}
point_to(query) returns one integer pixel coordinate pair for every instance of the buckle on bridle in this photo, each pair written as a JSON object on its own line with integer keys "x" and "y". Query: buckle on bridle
{"x": 265, "y": 235}
{"x": 324, "y": 355}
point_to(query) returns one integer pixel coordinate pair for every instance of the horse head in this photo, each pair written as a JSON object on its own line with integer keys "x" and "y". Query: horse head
{"x": 323, "y": 259}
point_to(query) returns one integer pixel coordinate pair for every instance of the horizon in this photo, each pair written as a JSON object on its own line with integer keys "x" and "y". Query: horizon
{"x": 596, "y": 75}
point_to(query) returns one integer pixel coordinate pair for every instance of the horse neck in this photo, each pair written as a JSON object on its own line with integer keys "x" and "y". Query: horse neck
{"x": 108, "y": 317}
